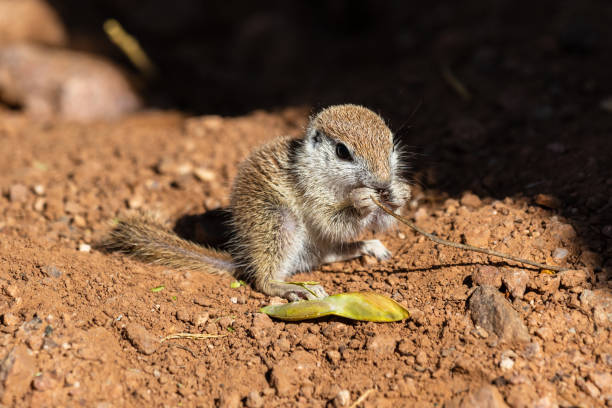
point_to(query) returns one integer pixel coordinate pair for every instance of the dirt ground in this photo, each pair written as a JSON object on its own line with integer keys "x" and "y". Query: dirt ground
{"x": 523, "y": 167}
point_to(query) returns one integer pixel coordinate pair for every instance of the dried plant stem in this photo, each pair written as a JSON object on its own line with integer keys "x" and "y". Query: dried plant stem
{"x": 362, "y": 398}
{"x": 464, "y": 246}
{"x": 454, "y": 83}
{"x": 192, "y": 336}
{"x": 129, "y": 45}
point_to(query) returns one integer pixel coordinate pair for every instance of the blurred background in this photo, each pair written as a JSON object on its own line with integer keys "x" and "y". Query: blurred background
{"x": 235, "y": 56}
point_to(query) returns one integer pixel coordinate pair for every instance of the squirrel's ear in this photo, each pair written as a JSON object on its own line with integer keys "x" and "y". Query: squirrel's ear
{"x": 315, "y": 136}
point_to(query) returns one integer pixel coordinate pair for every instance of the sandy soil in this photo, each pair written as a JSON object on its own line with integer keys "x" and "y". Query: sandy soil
{"x": 69, "y": 312}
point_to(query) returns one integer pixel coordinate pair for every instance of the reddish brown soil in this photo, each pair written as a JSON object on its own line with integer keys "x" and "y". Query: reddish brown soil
{"x": 73, "y": 319}
{"x": 82, "y": 328}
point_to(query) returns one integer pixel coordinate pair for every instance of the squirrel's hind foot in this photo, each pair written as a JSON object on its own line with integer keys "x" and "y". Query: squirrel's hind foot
{"x": 293, "y": 292}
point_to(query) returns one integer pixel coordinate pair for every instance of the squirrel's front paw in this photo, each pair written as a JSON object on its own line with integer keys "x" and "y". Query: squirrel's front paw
{"x": 376, "y": 249}
{"x": 400, "y": 194}
{"x": 362, "y": 201}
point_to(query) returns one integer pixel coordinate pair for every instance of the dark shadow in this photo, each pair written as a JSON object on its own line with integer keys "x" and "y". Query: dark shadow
{"x": 468, "y": 280}
{"x": 210, "y": 229}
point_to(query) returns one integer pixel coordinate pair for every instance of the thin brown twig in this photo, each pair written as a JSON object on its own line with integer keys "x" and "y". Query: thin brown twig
{"x": 362, "y": 398}
{"x": 186, "y": 349}
{"x": 465, "y": 246}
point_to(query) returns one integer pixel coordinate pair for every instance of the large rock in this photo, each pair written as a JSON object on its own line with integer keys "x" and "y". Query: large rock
{"x": 30, "y": 21}
{"x": 70, "y": 84}
{"x": 599, "y": 303}
{"x": 516, "y": 281}
{"x": 382, "y": 344}
{"x": 289, "y": 373}
{"x": 487, "y": 275}
{"x": 141, "y": 339}
{"x": 16, "y": 373}
{"x": 491, "y": 311}
{"x": 486, "y": 396}
{"x": 576, "y": 278}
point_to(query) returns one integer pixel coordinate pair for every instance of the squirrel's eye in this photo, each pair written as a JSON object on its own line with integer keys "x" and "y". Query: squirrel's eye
{"x": 343, "y": 152}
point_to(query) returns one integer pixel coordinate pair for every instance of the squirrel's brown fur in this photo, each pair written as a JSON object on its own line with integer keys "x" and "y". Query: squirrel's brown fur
{"x": 295, "y": 203}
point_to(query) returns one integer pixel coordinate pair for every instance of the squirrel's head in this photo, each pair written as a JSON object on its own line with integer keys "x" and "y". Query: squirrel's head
{"x": 349, "y": 146}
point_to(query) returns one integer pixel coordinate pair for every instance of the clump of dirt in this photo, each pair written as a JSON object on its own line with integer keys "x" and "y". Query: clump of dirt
{"x": 79, "y": 325}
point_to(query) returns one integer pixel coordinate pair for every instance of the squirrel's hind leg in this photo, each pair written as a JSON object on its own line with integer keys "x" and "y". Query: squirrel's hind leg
{"x": 277, "y": 248}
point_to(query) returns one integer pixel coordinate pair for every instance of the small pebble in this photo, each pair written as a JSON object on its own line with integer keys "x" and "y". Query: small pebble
{"x": 382, "y": 344}
{"x": 52, "y": 271}
{"x": 487, "y": 275}
{"x": 200, "y": 319}
{"x": 39, "y": 189}
{"x": 72, "y": 208}
{"x": 342, "y": 399}
{"x": 603, "y": 381}
{"x": 283, "y": 344}
{"x": 333, "y": 356}
{"x": 548, "y": 201}
{"x": 10, "y": 319}
{"x": 225, "y": 322}
{"x": 202, "y": 301}
{"x": 254, "y": 400}
{"x": 43, "y": 382}
{"x": 506, "y": 363}
{"x": 135, "y": 202}
{"x": 471, "y": 200}
{"x": 204, "y": 174}
{"x": 545, "y": 333}
{"x": 84, "y": 247}
{"x": 262, "y": 321}
{"x": 588, "y": 387}
{"x": 39, "y": 204}
{"x": 79, "y": 221}
{"x": 479, "y": 331}
{"x": 18, "y": 193}
{"x": 421, "y": 358}
{"x": 184, "y": 168}
{"x": 368, "y": 260}
{"x": 516, "y": 281}
{"x": 34, "y": 342}
{"x": 420, "y": 214}
{"x": 183, "y": 315}
{"x": 310, "y": 342}
{"x": 141, "y": 339}
{"x": 560, "y": 253}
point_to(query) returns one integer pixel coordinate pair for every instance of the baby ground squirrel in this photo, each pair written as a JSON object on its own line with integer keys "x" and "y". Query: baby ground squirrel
{"x": 296, "y": 203}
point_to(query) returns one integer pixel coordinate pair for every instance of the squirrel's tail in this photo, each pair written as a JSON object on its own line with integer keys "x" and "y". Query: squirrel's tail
{"x": 143, "y": 237}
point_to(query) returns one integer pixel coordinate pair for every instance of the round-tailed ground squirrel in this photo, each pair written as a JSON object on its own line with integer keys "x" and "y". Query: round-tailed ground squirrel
{"x": 296, "y": 203}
